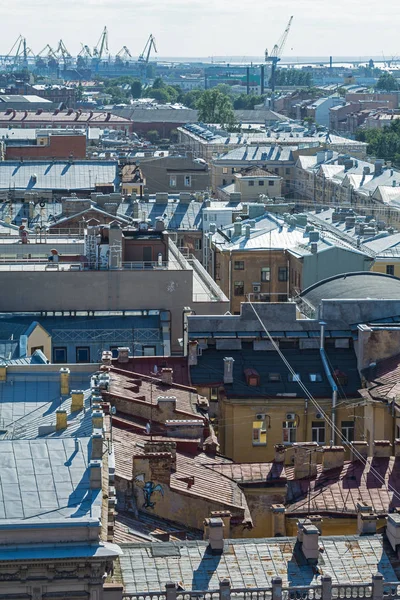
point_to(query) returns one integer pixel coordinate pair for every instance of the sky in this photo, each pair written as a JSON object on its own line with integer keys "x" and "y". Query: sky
{"x": 205, "y": 28}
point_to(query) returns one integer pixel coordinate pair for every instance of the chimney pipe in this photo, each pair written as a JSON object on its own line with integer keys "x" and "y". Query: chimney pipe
{"x": 61, "y": 419}
{"x": 278, "y": 520}
{"x": 97, "y": 445}
{"x": 366, "y": 519}
{"x": 359, "y": 448}
{"x": 95, "y": 474}
{"x": 228, "y": 369}
{"x": 64, "y": 380}
{"x": 310, "y": 542}
{"x": 123, "y": 355}
{"x": 305, "y": 460}
{"x": 280, "y": 451}
{"x": 214, "y": 528}
{"x": 167, "y": 376}
{"x": 332, "y": 457}
{"x": 77, "y": 400}
{"x": 382, "y": 449}
{"x": 192, "y": 358}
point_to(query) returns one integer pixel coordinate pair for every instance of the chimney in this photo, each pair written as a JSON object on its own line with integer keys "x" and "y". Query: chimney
{"x": 3, "y": 372}
{"x": 366, "y": 519}
{"x": 378, "y": 167}
{"x": 393, "y": 530}
{"x": 61, "y": 419}
{"x": 278, "y": 520}
{"x": 162, "y": 447}
{"x": 64, "y": 381}
{"x": 280, "y": 451}
{"x": 237, "y": 227}
{"x": 305, "y": 460}
{"x": 97, "y": 445}
{"x": 97, "y": 419}
{"x": 106, "y": 358}
{"x": 166, "y": 376}
{"x": 123, "y": 355}
{"x": 228, "y": 369}
{"x": 247, "y": 231}
{"x": 160, "y": 225}
{"x": 397, "y": 447}
{"x": 320, "y": 157}
{"x": 310, "y": 542}
{"x": 332, "y": 457}
{"x": 358, "y": 448}
{"x": 167, "y": 403}
{"x": 95, "y": 474}
{"x": 382, "y": 449}
{"x": 226, "y": 517}
{"x": 192, "y": 356}
{"x": 214, "y": 532}
{"x": 77, "y": 400}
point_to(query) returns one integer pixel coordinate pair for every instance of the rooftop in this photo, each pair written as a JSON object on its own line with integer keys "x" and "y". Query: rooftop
{"x": 252, "y": 563}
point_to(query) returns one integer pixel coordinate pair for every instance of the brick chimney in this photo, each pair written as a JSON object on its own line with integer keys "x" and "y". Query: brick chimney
{"x": 61, "y": 419}
{"x": 278, "y": 520}
{"x": 226, "y": 517}
{"x": 228, "y": 369}
{"x": 366, "y": 519}
{"x": 280, "y": 452}
{"x": 214, "y": 532}
{"x": 305, "y": 459}
{"x": 167, "y": 376}
{"x": 96, "y": 445}
{"x": 106, "y": 358}
{"x": 393, "y": 530}
{"x": 358, "y": 448}
{"x": 77, "y": 397}
{"x": 332, "y": 457}
{"x": 64, "y": 380}
{"x": 382, "y": 449}
{"x": 153, "y": 447}
{"x": 95, "y": 474}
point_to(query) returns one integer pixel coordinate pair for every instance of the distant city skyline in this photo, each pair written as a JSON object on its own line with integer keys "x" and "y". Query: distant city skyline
{"x": 205, "y": 28}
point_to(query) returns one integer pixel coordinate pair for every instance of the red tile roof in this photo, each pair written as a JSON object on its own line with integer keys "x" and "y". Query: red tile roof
{"x": 339, "y": 490}
{"x": 251, "y": 472}
{"x": 78, "y": 117}
{"x": 386, "y": 383}
{"x": 145, "y": 366}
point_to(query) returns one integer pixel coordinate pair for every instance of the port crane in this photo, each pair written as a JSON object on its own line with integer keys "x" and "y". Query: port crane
{"x": 145, "y": 55}
{"x": 19, "y": 53}
{"x": 102, "y": 45}
{"x": 275, "y": 57}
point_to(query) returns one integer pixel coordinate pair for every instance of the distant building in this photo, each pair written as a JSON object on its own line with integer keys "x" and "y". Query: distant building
{"x": 68, "y": 119}
{"x": 49, "y": 144}
{"x": 319, "y": 109}
{"x": 12, "y": 104}
{"x": 175, "y": 174}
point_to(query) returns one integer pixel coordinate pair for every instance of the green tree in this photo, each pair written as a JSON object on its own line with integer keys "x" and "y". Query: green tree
{"x": 153, "y": 136}
{"x": 161, "y": 95}
{"x": 79, "y": 92}
{"x": 387, "y": 82}
{"x": 158, "y": 83}
{"x": 215, "y": 107}
{"x": 136, "y": 88}
{"x": 191, "y": 98}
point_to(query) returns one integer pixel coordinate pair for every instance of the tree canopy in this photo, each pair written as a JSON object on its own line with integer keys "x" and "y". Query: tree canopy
{"x": 387, "y": 82}
{"x": 383, "y": 143}
{"x": 216, "y": 107}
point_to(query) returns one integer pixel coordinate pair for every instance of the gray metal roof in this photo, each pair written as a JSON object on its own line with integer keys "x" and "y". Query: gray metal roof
{"x": 258, "y": 154}
{"x": 46, "y": 480}
{"x": 251, "y": 563}
{"x": 59, "y": 175}
{"x": 353, "y": 286}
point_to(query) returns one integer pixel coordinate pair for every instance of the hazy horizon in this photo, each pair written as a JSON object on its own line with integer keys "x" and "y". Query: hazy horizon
{"x": 206, "y": 28}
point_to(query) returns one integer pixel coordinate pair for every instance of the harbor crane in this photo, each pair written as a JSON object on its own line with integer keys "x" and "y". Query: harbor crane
{"x": 275, "y": 57}
{"x": 151, "y": 43}
{"x": 19, "y": 52}
{"x": 124, "y": 53}
{"x": 102, "y": 45}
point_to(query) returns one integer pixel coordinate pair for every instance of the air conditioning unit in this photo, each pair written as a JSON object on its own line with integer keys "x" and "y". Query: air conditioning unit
{"x": 319, "y": 416}
{"x": 260, "y": 417}
{"x": 256, "y": 288}
{"x": 290, "y": 416}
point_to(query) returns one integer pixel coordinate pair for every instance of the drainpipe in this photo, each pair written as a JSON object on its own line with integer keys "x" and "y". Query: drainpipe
{"x": 230, "y": 278}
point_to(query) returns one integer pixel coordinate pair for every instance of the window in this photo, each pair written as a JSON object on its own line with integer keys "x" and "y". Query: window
{"x": 172, "y": 181}
{"x": 37, "y": 348}
{"x": 188, "y": 181}
{"x": 233, "y": 170}
{"x": 180, "y": 242}
{"x": 261, "y": 182}
{"x": 287, "y": 171}
{"x": 149, "y": 351}
{"x": 251, "y": 183}
{"x": 224, "y": 182}
{"x": 276, "y": 377}
{"x": 282, "y": 297}
{"x": 205, "y": 216}
{"x": 238, "y": 265}
{"x": 271, "y": 183}
{"x": 315, "y": 377}
{"x": 294, "y": 377}
{"x": 59, "y": 355}
{"x": 198, "y": 244}
{"x": 225, "y": 170}
{"x": 289, "y": 432}
{"x": 83, "y": 354}
{"x": 389, "y": 269}
{"x": 214, "y": 393}
{"x": 265, "y": 273}
{"x": 282, "y": 274}
{"x": 239, "y": 288}
{"x": 318, "y": 431}
{"x": 259, "y": 433}
{"x": 114, "y": 350}
{"x": 348, "y": 430}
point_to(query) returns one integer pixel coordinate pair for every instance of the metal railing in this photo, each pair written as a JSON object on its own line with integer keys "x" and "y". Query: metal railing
{"x": 377, "y": 589}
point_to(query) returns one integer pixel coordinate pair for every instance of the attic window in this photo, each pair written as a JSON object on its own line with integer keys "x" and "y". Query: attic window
{"x": 315, "y": 377}
{"x": 274, "y": 377}
{"x": 294, "y": 377}
{"x": 252, "y": 377}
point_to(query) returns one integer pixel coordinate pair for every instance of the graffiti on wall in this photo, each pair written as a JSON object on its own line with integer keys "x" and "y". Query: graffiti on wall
{"x": 149, "y": 489}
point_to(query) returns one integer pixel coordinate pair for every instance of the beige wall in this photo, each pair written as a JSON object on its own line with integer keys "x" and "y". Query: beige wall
{"x": 271, "y": 186}
{"x": 40, "y": 338}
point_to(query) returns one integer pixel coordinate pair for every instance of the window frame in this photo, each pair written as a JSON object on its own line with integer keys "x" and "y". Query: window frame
{"x": 173, "y": 181}
{"x": 318, "y": 377}
{"x": 265, "y": 270}
{"x": 237, "y": 262}
{"x": 290, "y": 427}
{"x": 57, "y": 348}
{"x": 77, "y": 350}
{"x": 390, "y": 268}
{"x": 187, "y": 181}
{"x": 260, "y": 429}
{"x": 317, "y": 427}
{"x": 236, "y": 285}
{"x": 349, "y": 427}
{"x": 282, "y": 274}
